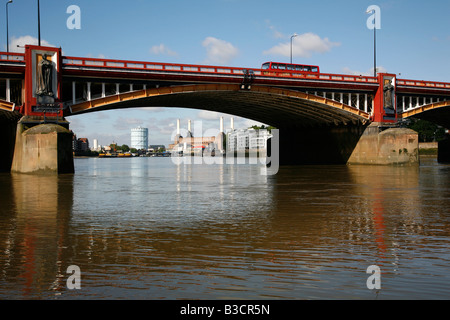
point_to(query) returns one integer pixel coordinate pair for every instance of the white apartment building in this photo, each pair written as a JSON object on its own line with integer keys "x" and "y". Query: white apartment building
{"x": 239, "y": 140}
{"x": 139, "y": 138}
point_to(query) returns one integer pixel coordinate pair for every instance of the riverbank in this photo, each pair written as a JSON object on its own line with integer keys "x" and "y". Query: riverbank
{"x": 428, "y": 148}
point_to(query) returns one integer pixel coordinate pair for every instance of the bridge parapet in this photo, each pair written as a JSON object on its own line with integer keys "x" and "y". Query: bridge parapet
{"x": 83, "y": 79}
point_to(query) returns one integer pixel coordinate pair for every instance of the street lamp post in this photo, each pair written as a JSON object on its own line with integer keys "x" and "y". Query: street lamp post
{"x": 374, "y": 51}
{"x": 39, "y": 25}
{"x": 7, "y": 26}
{"x": 293, "y": 36}
{"x": 374, "y": 42}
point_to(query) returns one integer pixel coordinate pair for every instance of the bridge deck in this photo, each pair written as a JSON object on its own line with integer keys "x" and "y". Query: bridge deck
{"x": 413, "y": 96}
{"x": 110, "y": 68}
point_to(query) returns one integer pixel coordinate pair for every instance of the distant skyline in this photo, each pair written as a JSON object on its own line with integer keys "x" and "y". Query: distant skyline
{"x": 414, "y": 42}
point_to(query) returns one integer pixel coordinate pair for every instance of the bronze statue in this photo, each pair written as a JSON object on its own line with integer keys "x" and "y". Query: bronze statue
{"x": 44, "y": 79}
{"x": 388, "y": 95}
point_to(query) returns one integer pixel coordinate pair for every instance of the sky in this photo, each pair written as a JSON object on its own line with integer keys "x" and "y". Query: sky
{"x": 413, "y": 42}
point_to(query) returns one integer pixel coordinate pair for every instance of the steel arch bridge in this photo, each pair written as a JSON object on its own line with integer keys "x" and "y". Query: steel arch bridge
{"x": 279, "y": 98}
{"x": 299, "y": 104}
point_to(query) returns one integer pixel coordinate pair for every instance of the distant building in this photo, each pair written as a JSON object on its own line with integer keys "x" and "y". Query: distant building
{"x": 81, "y": 144}
{"x": 156, "y": 147}
{"x": 249, "y": 139}
{"x": 139, "y": 138}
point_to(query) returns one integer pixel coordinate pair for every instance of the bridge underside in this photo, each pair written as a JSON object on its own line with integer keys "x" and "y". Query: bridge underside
{"x": 438, "y": 113}
{"x": 276, "y": 107}
{"x": 313, "y": 129}
{"x": 8, "y": 126}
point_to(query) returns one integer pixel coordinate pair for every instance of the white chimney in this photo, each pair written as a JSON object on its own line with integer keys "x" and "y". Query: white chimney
{"x": 232, "y": 123}
{"x": 178, "y": 126}
{"x": 221, "y": 124}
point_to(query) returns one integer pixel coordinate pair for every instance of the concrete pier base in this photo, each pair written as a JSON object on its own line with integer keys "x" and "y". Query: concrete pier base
{"x": 8, "y": 128}
{"x": 386, "y": 146}
{"x": 318, "y": 146}
{"x": 43, "y": 149}
{"x": 444, "y": 151}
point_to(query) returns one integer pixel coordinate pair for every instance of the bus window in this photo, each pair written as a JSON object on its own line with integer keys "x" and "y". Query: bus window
{"x": 289, "y": 67}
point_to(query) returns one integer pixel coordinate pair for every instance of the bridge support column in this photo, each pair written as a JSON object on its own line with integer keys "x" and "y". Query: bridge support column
{"x": 444, "y": 151}
{"x": 8, "y": 129}
{"x": 42, "y": 148}
{"x": 318, "y": 146}
{"x": 384, "y": 145}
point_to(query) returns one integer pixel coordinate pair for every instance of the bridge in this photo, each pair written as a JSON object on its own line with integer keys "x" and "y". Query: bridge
{"x": 322, "y": 117}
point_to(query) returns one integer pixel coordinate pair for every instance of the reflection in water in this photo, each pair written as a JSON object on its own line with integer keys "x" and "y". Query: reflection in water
{"x": 35, "y": 214}
{"x": 144, "y": 228}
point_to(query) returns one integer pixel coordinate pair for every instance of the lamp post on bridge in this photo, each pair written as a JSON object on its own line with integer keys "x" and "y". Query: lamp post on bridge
{"x": 39, "y": 24}
{"x": 7, "y": 26}
{"x": 375, "y": 10}
{"x": 293, "y": 36}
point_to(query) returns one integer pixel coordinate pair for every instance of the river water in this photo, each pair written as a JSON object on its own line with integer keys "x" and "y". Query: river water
{"x": 146, "y": 228}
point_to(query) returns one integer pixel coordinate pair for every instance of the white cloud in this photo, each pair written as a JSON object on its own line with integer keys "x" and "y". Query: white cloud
{"x": 162, "y": 49}
{"x": 18, "y": 44}
{"x": 208, "y": 115}
{"x": 98, "y": 56}
{"x": 275, "y": 33}
{"x": 219, "y": 51}
{"x": 369, "y": 72}
{"x": 303, "y": 45}
{"x": 127, "y": 123}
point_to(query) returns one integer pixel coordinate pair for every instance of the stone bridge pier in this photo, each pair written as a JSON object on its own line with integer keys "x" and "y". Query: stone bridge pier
{"x": 356, "y": 144}
{"x": 43, "y": 146}
{"x": 8, "y": 127}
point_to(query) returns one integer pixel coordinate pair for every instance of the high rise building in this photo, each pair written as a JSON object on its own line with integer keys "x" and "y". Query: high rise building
{"x": 139, "y": 138}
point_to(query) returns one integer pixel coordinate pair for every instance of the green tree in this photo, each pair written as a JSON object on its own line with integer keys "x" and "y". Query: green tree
{"x": 428, "y": 131}
{"x": 263, "y": 127}
{"x": 125, "y": 148}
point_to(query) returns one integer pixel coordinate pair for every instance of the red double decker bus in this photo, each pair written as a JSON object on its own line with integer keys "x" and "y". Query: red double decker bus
{"x": 278, "y": 66}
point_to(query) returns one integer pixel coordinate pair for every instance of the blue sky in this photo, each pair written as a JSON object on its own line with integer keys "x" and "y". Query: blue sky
{"x": 414, "y": 41}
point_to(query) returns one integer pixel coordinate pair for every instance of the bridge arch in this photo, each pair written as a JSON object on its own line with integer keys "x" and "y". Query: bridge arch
{"x": 438, "y": 113}
{"x": 274, "y": 106}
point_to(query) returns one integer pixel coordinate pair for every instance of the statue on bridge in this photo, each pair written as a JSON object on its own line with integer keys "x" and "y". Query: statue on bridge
{"x": 44, "y": 79}
{"x": 388, "y": 94}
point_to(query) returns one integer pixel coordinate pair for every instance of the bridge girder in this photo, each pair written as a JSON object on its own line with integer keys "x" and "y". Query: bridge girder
{"x": 274, "y": 106}
{"x": 438, "y": 113}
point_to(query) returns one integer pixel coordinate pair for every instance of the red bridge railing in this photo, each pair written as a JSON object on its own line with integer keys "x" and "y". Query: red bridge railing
{"x": 12, "y": 56}
{"x": 205, "y": 69}
{"x": 427, "y": 84}
{"x": 105, "y": 64}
